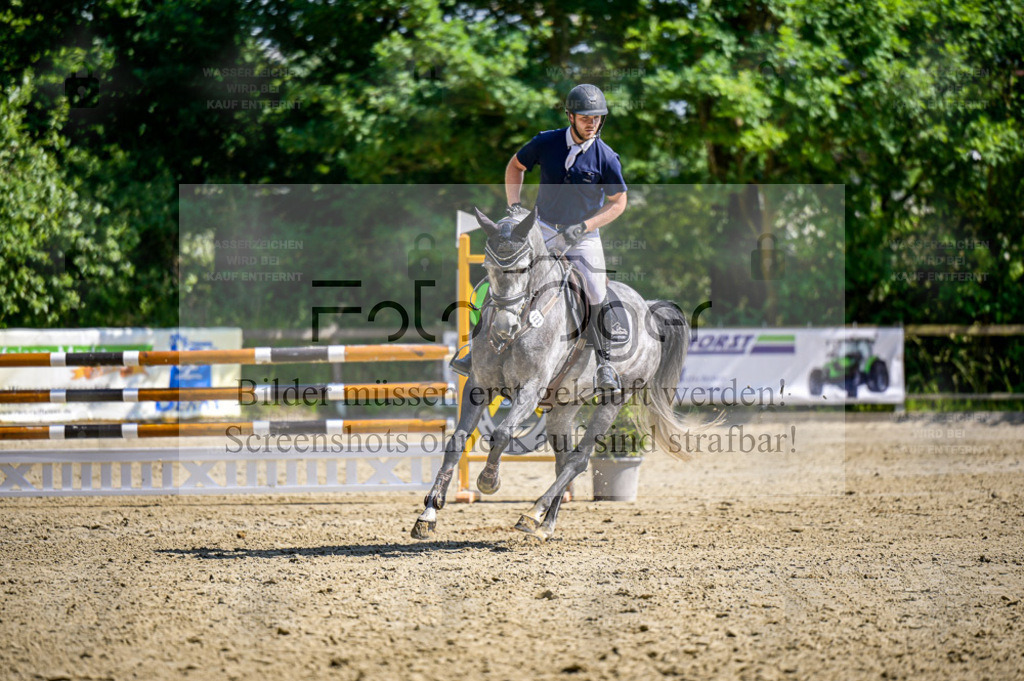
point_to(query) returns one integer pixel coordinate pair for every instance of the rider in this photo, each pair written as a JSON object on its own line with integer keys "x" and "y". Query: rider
{"x": 581, "y": 191}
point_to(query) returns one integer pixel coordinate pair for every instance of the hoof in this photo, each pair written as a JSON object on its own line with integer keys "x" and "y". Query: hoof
{"x": 542, "y": 534}
{"x": 488, "y": 486}
{"x": 527, "y": 524}
{"x": 423, "y": 529}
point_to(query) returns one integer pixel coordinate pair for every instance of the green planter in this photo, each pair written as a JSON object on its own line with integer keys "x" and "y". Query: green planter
{"x": 616, "y": 479}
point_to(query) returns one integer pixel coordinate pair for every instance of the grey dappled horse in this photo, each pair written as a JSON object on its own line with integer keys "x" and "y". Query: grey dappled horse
{"x": 516, "y": 354}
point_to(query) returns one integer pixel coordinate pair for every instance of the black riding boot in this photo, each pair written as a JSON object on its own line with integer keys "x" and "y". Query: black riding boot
{"x": 462, "y": 365}
{"x": 607, "y": 378}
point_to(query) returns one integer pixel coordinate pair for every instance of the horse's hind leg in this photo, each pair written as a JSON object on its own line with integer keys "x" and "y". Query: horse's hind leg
{"x": 575, "y": 463}
{"x": 434, "y": 501}
{"x": 561, "y": 433}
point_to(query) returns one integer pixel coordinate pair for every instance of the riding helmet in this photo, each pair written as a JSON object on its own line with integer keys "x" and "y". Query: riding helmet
{"x": 586, "y": 100}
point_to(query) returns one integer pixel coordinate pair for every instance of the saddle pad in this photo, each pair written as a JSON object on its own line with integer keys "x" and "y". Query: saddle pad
{"x": 617, "y": 321}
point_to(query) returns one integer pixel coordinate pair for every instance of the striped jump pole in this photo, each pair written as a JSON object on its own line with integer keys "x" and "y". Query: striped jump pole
{"x": 275, "y": 393}
{"x": 308, "y": 355}
{"x": 259, "y": 428}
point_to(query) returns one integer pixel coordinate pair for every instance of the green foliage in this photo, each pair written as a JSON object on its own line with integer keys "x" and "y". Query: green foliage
{"x": 62, "y": 249}
{"x": 626, "y": 431}
{"x": 904, "y": 116}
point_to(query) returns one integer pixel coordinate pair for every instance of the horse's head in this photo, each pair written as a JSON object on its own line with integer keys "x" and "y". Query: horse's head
{"x": 508, "y": 256}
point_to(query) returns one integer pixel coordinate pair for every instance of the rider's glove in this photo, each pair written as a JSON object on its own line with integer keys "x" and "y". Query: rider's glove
{"x": 573, "y": 233}
{"x": 517, "y": 211}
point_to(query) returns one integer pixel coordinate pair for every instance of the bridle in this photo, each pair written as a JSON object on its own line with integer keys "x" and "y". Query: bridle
{"x": 516, "y": 305}
{"x": 513, "y": 304}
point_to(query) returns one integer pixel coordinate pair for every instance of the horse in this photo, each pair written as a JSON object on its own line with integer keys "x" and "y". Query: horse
{"x": 529, "y": 337}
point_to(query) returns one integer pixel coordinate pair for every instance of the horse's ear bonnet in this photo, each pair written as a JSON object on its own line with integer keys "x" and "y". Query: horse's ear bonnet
{"x": 485, "y": 223}
{"x": 507, "y": 240}
{"x": 525, "y": 225}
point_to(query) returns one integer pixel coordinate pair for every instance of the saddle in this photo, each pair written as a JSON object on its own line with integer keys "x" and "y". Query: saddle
{"x": 616, "y": 322}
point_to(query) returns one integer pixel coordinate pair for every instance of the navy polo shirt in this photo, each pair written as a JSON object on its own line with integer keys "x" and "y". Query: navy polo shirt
{"x": 570, "y": 196}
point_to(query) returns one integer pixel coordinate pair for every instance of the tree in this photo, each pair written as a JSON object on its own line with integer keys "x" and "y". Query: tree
{"x": 872, "y": 96}
{"x": 61, "y": 248}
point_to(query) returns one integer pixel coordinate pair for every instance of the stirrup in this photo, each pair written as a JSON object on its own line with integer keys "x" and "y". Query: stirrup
{"x": 462, "y": 366}
{"x": 611, "y": 385}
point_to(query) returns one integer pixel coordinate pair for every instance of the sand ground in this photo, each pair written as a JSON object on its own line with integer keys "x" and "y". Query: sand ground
{"x": 874, "y": 548}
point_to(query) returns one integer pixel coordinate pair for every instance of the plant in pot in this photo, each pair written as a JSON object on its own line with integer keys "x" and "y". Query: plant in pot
{"x": 615, "y": 463}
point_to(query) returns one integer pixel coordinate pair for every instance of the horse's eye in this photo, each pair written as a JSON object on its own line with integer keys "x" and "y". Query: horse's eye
{"x": 518, "y": 271}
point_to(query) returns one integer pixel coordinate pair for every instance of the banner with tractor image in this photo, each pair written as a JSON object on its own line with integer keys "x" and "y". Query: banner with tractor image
{"x": 794, "y": 366}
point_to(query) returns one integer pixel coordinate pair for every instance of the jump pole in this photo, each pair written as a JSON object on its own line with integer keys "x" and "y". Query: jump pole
{"x": 259, "y": 428}
{"x": 248, "y": 356}
{"x": 465, "y": 294}
{"x": 274, "y": 393}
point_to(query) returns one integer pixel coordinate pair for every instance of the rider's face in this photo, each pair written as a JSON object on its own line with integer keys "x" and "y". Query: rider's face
{"x": 585, "y": 126}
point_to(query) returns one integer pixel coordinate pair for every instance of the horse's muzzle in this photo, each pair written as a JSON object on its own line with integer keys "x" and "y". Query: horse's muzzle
{"x": 504, "y": 327}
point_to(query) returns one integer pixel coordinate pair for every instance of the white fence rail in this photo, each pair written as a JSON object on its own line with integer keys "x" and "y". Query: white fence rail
{"x": 212, "y": 470}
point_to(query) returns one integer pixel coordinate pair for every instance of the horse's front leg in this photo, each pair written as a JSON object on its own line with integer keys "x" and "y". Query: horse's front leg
{"x": 473, "y": 403}
{"x": 524, "y": 402}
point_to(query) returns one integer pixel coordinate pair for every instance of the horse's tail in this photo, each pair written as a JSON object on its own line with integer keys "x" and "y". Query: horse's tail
{"x": 656, "y": 414}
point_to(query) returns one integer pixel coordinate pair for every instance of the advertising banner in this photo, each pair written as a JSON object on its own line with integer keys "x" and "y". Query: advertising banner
{"x": 789, "y": 366}
{"x": 118, "y": 340}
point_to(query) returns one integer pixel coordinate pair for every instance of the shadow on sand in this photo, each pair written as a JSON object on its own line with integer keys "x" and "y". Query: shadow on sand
{"x": 352, "y": 550}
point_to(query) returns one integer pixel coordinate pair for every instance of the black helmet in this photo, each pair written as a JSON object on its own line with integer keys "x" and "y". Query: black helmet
{"x": 586, "y": 100}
